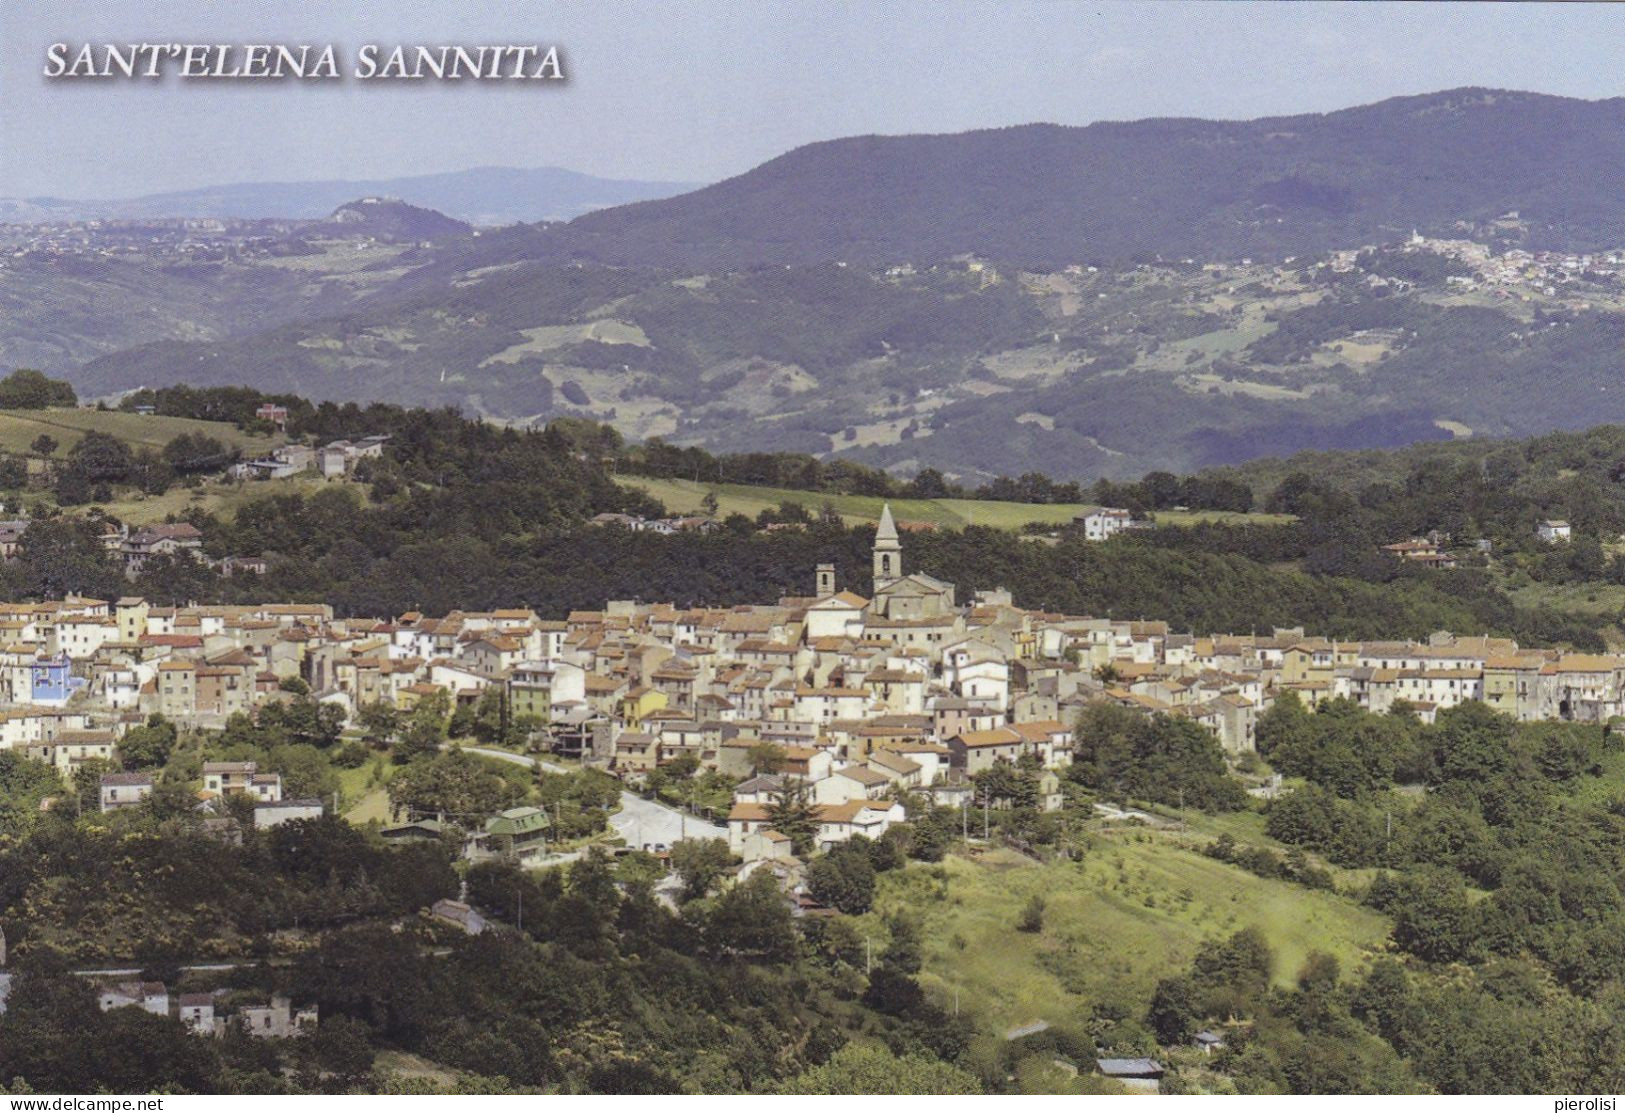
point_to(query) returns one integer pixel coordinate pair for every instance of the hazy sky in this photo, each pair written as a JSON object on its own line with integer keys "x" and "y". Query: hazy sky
{"x": 697, "y": 91}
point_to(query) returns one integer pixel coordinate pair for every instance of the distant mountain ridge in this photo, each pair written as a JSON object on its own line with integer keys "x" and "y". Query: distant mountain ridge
{"x": 484, "y": 195}
{"x": 1045, "y": 194}
{"x": 823, "y": 302}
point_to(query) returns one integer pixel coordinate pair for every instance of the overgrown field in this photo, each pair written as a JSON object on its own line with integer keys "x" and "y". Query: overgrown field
{"x": 1134, "y": 911}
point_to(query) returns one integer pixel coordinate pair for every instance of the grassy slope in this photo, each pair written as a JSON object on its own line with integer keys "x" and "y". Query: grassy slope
{"x": 1133, "y": 912}
{"x": 682, "y": 496}
{"x": 365, "y": 796}
{"x": 19, "y": 428}
{"x": 221, "y": 499}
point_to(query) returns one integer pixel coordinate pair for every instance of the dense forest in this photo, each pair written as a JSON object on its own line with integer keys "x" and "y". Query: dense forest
{"x": 1504, "y": 881}
{"x": 1043, "y": 193}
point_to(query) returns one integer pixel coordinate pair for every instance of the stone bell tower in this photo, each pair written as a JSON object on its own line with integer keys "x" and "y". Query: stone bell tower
{"x": 888, "y": 551}
{"x": 826, "y": 581}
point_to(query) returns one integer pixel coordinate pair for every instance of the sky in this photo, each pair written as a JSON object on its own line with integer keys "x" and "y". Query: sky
{"x": 701, "y": 91}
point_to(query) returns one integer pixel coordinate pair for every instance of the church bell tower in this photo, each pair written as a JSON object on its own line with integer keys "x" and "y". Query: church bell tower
{"x": 826, "y": 580}
{"x": 888, "y": 551}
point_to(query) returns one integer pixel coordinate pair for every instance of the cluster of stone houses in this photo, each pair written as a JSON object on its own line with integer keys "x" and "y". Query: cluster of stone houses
{"x": 1421, "y": 550}
{"x": 211, "y": 1014}
{"x": 221, "y": 780}
{"x": 330, "y": 461}
{"x": 134, "y": 548}
{"x": 692, "y": 523}
{"x": 908, "y": 688}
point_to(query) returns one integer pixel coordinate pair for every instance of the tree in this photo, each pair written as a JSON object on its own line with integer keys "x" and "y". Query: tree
{"x": 148, "y": 746}
{"x": 865, "y": 1068}
{"x": 302, "y": 719}
{"x": 339, "y": 1053}
{"x": 928, "y": 483}
{"x": 27, "y": 389}
{"x": 378, "y": 720}
{"x": 792, "y": 814}
{"x": 1435, "y": 922}
{"x": 1032, "y": 915}
{"x": 1472, "y": 743}
{"x": 170, "y": 799}
{"x": 844, "y": 878}
{"x": 1319, "y": 973}
{"x": 699, "y": 862}
{"x": 682, "y": 767}
{"x": 24, "y": 782}
{"x": 1171, "y": 760}
{"x": 424, "y": 733}
{"x": 903, "y": 952}
{"x": 197, "y": 452}
{"x": 62, "y": 555}
{"x": 101, "y": 458}
{"x": 753, "y": 918}
{"x": 766, "y": 758}
{"x": 87, "y": 783}
{"x": 455, "y": 784}
{"x": 1173, "y": 1014}
{"x": 44, "y": 446}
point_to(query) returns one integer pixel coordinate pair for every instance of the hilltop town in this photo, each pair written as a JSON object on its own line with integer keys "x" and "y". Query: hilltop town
{"x": 911, "y": 689}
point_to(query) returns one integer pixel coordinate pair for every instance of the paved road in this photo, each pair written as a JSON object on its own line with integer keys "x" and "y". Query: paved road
{"x": 214, "y": 967}
{"x": 642, "y": 823}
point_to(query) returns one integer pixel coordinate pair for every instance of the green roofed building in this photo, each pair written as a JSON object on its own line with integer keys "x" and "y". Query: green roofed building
{"x": 517, "y": 832}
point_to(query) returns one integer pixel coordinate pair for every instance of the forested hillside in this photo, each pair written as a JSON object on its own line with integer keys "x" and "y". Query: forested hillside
{"x": 1043, "y": 194}
{"x": 457, "y": 514}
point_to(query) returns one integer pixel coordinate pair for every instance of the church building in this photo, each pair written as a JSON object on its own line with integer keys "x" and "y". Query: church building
{"x": 899, "y": 596}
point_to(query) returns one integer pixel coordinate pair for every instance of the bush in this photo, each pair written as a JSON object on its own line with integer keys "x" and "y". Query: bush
{"x": 1032, "y": 916}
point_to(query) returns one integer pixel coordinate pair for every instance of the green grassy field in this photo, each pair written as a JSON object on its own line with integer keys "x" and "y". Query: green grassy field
{"x": 220, "y": 499}
{"x": 1132, "y": 912}
{"x": 364, "y": 795}
{"x": 19, "y": 428}
{"x": 682, "y": 496}
{"x": 1582, "y": 598}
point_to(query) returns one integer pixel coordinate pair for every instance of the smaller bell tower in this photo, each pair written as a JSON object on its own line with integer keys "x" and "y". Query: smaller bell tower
{"x": 826, "y": 580}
